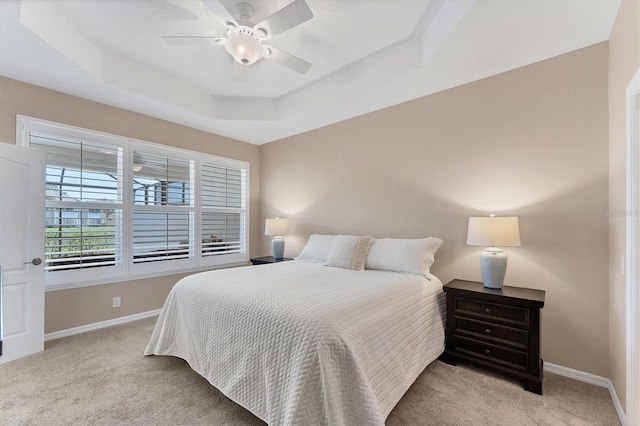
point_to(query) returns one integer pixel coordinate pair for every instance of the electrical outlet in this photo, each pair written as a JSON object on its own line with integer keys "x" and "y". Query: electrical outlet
{"x": 116, "y": 302}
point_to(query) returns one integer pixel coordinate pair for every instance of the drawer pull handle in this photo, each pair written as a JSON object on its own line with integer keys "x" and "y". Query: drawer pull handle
{"x": 487, "y": 331}
{"x": 487, "y": 351}
{"x": 488, "y": 310}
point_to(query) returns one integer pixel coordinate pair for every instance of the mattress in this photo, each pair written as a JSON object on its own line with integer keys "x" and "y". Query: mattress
{"x": 299, "y": 343}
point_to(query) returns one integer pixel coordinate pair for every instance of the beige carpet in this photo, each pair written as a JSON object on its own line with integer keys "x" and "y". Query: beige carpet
{"x": 102, "y": 378}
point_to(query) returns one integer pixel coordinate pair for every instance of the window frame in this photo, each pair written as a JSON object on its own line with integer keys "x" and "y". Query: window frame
{"x": 228, "y": 163}
{"x": 128, "y": 270}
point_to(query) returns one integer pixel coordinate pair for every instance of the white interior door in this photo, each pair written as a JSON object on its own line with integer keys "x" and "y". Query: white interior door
{"x": 22, "y": 177}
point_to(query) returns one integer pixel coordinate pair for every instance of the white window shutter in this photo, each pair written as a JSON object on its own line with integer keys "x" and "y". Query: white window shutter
{"x": 83, "y": 203}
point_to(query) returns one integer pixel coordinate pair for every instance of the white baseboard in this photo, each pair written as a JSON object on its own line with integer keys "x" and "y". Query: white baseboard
{"x": 99, "y": 325}
{"x": 577, "y": 374}
{"x": 589, "y": 378}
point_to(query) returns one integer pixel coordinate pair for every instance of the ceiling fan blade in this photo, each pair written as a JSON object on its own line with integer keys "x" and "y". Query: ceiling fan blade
{"x": 221, "y": 12}
{"x": 288, "y": 60}
{"x": 286, "y": 18}
{"x": 240, "y": 72}
{"x": 190, "y": 40}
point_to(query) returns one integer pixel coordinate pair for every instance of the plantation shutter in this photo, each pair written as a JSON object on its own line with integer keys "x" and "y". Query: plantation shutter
{"x": 163, "y": 210}
{"x": 83, "y": 203}
{"x": 223, "y": 210}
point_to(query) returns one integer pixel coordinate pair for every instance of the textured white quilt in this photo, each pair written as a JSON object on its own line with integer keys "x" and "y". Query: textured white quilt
{"x": 298, "y": 343}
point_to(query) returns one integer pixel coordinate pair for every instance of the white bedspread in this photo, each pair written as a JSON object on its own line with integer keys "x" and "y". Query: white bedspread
{"x": 298, "y": 343}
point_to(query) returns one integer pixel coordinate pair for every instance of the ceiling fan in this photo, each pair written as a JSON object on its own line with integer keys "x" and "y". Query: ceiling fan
{"x": 245, "y": 40}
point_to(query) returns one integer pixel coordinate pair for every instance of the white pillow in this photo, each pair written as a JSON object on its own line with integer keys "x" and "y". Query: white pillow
{"x": 350, "y": 252}
{"x": 409, "y": 256}
{"x": 317, "y": 248}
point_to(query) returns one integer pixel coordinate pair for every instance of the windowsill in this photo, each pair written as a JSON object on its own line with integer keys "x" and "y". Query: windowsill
{"x": 68, "y": 286}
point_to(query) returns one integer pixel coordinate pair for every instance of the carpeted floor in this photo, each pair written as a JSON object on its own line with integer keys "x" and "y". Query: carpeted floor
{"x": 102, "y": 378}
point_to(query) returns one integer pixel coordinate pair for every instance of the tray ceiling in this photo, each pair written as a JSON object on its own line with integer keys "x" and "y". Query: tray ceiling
{"x": 365, "y": 55}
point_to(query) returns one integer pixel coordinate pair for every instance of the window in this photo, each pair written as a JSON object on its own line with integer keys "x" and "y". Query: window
{"x": 223, "y": 209}
{"x": 162, "y": 207}
{"x": 134, "y": 208}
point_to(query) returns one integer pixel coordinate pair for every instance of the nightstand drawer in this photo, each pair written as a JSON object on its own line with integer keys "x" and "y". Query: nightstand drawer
{"x": 488, "y": 311}
{"x": 490, "y": 332}
{"x": 508, "y": 357}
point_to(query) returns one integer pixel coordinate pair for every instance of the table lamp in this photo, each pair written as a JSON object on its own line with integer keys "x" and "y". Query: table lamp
{"x": 493, "y": 231}
{"x": 277, "y": 227}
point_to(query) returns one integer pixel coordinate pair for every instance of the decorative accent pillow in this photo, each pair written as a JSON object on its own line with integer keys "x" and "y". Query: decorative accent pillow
{"x": 350, "y": 252}
{"x": 409, "y": 256}
{"x": 317, "y": 248}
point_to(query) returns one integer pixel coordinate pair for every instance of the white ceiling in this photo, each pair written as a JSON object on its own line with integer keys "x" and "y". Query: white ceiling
{"x": 366, "y": 55}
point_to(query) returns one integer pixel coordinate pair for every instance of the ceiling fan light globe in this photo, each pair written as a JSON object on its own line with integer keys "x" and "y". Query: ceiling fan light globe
{"x": 244, "y": 49}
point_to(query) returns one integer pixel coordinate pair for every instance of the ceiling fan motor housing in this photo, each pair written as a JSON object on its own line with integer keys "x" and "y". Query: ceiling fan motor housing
{"x": 244, "y": 45}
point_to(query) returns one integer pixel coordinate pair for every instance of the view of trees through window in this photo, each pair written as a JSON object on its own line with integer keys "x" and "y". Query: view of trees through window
{"x": 80, "y": 237}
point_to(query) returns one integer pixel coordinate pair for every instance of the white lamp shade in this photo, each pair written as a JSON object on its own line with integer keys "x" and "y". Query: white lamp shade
{"x": 493, "y": 231}
{"x": 277, "y": 226}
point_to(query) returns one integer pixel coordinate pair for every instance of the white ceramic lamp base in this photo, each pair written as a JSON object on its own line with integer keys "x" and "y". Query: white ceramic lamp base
{"x": 277, "y": 245}
{"x": 493, "y": 262}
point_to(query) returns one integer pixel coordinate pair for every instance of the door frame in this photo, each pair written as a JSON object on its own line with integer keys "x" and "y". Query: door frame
{"x": 632, "y": 415}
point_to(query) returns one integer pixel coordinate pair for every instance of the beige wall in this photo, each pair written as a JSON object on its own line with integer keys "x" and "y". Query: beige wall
{"x": 530, "y": 142}
{"x": 624, "y": 60}
{"x": 71, "y": 308}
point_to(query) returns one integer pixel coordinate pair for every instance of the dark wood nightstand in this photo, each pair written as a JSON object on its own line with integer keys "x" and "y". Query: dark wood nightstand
{"x": 498, "y": 329}
{"x": 268, "y": 259}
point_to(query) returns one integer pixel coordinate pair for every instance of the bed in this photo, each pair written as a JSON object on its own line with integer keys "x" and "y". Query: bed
{"x": 301, "y": 342}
